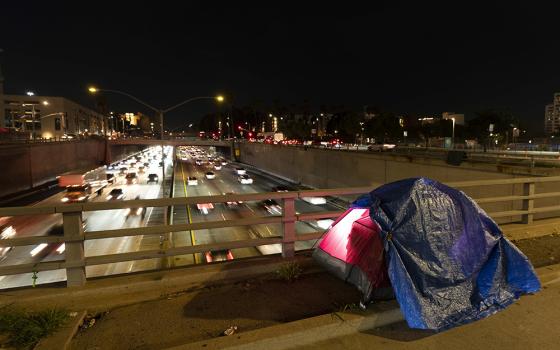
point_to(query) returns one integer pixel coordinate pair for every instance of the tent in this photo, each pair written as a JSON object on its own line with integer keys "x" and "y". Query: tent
{"x": 444, "y": 258}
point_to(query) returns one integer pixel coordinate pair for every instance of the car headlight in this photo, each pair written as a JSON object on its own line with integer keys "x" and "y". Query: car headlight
{"x": 139, "y": 211}
{"x": 64, "y": 199}
{"x": 120, "y": 196}
{"x": 109, "y": 197}
{"x": 127, "y": 211}
{"x": 82, "y": 198}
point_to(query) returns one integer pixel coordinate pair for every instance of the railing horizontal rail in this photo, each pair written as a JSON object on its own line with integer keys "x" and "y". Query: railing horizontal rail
{"x": 521, "y": 180}
{"x": 41, "y": 266}
{"x": 309, "y": 236}
{"x": 319, "y": 215}
{"x": 31, "y": 240}
{"x": 160, "y": 253}
{"x": 514, "y": 198}
{"x": 161, "y": 229}
{"x": 161, "y": 202}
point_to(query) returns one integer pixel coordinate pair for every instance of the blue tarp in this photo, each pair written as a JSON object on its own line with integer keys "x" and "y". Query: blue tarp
{"x": 449, "y": 263}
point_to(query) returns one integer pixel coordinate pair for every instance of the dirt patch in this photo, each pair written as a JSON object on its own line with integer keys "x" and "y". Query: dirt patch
{"x": 541, "y": 251}
{"x": 207, "y": 313}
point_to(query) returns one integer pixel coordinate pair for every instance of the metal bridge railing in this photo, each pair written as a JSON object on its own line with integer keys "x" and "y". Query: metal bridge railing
{"x": 75, "y": 261}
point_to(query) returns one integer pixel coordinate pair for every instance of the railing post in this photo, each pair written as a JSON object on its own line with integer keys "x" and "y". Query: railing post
{"x": 528, "y": 204}
{"x": 288, "y": 223}
{"x": 74, "y": 248}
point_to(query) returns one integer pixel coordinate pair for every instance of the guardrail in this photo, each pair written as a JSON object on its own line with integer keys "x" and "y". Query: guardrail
{"x": 74, "y": 237}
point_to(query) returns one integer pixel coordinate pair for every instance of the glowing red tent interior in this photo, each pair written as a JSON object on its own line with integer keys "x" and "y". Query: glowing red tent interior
{"x": 353, "y": 250}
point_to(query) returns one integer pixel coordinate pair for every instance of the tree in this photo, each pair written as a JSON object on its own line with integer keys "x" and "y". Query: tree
{"x": 383, "y": 127}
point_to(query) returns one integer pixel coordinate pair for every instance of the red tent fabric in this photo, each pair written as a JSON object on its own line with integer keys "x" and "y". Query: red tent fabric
{"x": 353, "y": 250}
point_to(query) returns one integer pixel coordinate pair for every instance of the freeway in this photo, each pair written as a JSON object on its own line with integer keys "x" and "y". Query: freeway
{"x": 225, "y": 181}
{"x": 93, "y": 221}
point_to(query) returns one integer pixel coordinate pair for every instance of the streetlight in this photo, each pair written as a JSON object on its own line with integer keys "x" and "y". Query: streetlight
{"x": 159, "y": 111}
{"x": 453, "y": 134}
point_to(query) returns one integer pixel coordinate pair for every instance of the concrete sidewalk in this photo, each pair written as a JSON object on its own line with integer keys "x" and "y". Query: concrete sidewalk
{"x": 533, "y": 322}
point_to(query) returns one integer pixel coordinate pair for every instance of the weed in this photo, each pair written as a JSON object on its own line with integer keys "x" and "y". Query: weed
{"x": 25, "y": 329}
{"x": 289, "y": 272}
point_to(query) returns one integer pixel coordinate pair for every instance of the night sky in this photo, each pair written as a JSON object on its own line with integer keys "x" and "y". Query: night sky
{"x": 410, "y": 59}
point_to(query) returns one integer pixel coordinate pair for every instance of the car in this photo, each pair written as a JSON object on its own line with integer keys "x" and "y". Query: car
{"x": 224, "y": 163}
{"x": 272, "y": 207}
{"x": 232, "y": 204}
{"x": 245, "y": 180}
{"x": 198, "y": 162}
{"x": 281, "y": 188}
{"x": 146, "y": 164}
{"x": 381, "y": 147}
{"x": 205, "y": 207}
{"x": 116, "y": 194}
{"x": 111, "y": 178}
{"x": 210, "y": 175}
{"x": 135, "y": 211}
{"x": 6, "y": 231}
{"x": 152, "y": 178}
{"x": 160, "y": 164}
{"x": 218, "y": 255}
{"x": 44, "y": 249}
{"x": 217, "y": 166}
{"x": 315, "y": 200}
{"x": 323, "y": 224}
{"x": 76, "y": 194}
{"x": 141, "y": 169}
{"x": 241, "y": 171}
{"x": 123, "y": 170}
{"x": 131, "y": 178}
{"x": 192, "y": 181}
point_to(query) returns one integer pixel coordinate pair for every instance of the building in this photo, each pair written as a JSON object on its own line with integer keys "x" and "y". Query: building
{"x": 552, "y": 116}
{"x": 459, "y": 118}
{"x": 135, "y": 123}
{"x": 49, "y": 116}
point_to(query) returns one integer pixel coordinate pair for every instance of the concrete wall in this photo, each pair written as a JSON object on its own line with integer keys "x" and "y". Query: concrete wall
{"x": 23, "y": 167}
{"x": 330, "y": 169}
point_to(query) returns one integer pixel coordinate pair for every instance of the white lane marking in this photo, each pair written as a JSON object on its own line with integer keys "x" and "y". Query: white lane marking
{"x": 247, "y": 205}
{"x": 223, "y": 216}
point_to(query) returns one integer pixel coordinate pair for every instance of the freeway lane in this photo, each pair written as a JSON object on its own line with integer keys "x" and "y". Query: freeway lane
{"x": 99, "y": 220}
{"x": 226, "y": 182}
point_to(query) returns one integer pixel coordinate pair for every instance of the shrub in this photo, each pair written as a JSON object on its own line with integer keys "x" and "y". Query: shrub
{"x": 25, "y": 329}
{"x": 289, "y": 272}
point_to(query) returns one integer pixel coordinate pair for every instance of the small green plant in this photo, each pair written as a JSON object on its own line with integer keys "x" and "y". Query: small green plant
{"x": 34, "y": 278}
{"x": 289, "y": 272}
{"x": 344, "y": 308}
{"x": 25, "y": 329}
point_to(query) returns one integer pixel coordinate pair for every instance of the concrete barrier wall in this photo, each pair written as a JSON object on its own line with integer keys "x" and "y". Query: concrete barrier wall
{"x": 23, "y": 167}
{"x": 330, "y": 169}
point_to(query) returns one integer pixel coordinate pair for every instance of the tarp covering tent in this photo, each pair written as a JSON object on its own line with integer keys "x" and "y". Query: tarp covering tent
{"x": 448, "y": 262}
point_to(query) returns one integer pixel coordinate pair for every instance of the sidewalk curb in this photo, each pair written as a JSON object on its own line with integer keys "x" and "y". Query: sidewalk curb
{"x": 304, "y": 332}
{"x": 61, "y": 339}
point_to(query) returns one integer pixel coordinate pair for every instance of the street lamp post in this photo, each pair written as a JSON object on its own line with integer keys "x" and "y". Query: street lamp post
{"x": 453, "y": 134}
{"x": 160, "y": 112}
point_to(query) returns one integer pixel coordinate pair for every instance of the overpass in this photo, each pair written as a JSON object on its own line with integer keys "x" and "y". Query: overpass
{"x": 171, "y": 142}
